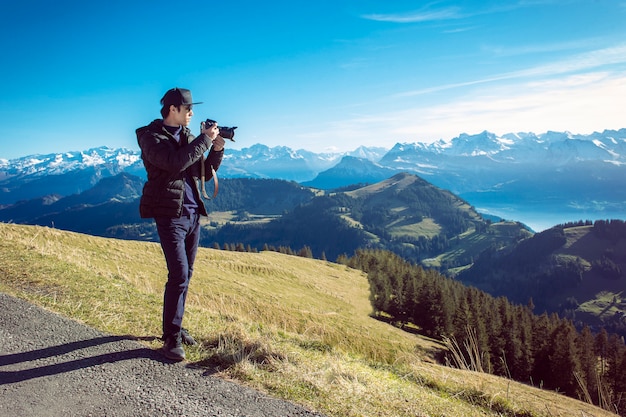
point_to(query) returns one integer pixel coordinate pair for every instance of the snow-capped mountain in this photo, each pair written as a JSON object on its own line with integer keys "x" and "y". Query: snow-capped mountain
{"x": 552, "y": 147}
{"x": 559, "y": 168}
{"x": 66, "y": 173}
{"x": 347, "y": 170}
{"x": 62, "y": 173}
{"x": 282, "y": 162}
{"x": 259, "y": 160}
{"x": 113, "y": 160}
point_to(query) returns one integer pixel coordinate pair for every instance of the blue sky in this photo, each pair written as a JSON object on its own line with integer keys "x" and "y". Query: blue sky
{"x": 322, "y": 75}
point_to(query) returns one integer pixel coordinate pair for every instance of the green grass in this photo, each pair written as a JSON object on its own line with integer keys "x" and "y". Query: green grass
{"x": 296, "y": 328}
{"x": 427, "y": 228}
{"x": 470, "y": 244}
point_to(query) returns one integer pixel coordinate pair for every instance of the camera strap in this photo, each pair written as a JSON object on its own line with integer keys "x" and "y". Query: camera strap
{"x": 203, "y": 178}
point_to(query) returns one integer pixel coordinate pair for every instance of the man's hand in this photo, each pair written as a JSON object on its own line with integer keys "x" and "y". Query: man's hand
{"x": 212, "y": 131}
{"x": 218, "y": 143}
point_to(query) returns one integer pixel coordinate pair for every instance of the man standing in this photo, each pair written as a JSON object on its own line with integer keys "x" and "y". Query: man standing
{"x": 174, "y": 160}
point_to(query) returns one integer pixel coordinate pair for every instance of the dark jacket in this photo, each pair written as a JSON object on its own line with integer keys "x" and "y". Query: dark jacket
{"x": 166, "y": 161}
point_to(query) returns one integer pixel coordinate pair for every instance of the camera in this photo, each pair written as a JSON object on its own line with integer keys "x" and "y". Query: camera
{"x": 225, "y": 132}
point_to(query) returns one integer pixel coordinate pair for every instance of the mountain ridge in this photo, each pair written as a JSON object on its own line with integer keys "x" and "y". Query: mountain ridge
{"x": 562, "y": 147}
{"x": 568, "y": 177}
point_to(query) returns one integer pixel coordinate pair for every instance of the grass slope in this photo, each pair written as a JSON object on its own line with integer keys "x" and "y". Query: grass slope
{"x": 469, "y": 245}
{"x": 296, "y": 328}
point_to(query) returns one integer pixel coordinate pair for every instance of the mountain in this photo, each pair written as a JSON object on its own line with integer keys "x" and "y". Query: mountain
{"x": 349, "y": 169}
{"x": 557, "y": 148}
{"x": 537, "y": 179}
{"x": 112, "y": 202}
{"x": 577, "y": 270}
{"x": 403, "y": 214}
{"x": 103, "y": 158}
{"x": 111, "y": 207}
{"x": 487, "y": 162}
{"x": 281, "y": 162}
{"x": 62, "y": 173}
{"x": 469, "y": 153}
{"x": 260, "y": 161}
{"x": 73, "y": 172}
{"x": 540, "y": 180}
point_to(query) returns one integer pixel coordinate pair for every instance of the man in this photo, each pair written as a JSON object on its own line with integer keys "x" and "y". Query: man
{"x": 173, "y": 158}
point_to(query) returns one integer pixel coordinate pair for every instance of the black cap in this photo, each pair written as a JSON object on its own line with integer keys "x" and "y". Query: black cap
{"x": 177, "y": 97}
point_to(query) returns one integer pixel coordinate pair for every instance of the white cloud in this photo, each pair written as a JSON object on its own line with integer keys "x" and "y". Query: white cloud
{"x": 414, "y": 17}
{"x": 428, "y": 14}
{"x": 580, "y": 103}
{"x": 590, "y": 60}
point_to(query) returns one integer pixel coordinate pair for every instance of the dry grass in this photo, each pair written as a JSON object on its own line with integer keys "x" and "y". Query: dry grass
{"x": 296, "y": 328}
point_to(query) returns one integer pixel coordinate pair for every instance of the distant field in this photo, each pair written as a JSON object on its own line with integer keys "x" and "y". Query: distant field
{"x": 223, "y": 217}
{"x": 427, "y": 228}
{"x": 471, "y": 244}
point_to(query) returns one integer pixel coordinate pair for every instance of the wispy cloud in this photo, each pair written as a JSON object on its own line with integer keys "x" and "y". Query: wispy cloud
{"x": 578, "y": 103}
{"x": 430, "y": 13}
{"x": 459, "y": 30}
{"x": 423, "y": 15}
{"x": 587, "y": 61}
{"x": 507, "y": 51}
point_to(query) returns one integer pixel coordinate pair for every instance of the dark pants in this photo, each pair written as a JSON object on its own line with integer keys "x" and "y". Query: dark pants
{"x": 179, "y": 240}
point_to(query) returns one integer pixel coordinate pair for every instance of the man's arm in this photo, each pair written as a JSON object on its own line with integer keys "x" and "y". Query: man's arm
{"x": 168, "y": 158}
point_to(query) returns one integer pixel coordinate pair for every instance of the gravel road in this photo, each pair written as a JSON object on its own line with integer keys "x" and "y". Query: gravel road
{"x": 53, "y": 366}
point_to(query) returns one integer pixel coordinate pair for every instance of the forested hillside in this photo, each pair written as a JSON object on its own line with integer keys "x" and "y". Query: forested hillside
{"x": 492, "y": 335}
{"x": 403, "y": 214}
{"x": 577, "y": 270}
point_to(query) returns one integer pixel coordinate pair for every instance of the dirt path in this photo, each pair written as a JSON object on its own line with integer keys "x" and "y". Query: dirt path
{"x": 53, "y": 366}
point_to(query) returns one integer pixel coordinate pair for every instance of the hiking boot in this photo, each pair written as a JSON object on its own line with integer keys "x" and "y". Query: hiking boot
{"x": 187, "y": 338}
{"x": 173, "y": 348}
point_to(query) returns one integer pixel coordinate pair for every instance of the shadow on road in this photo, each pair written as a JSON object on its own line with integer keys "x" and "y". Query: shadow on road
{"x": 8, "y": 377}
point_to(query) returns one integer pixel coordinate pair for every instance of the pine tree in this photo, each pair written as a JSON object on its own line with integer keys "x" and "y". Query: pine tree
{"x": 524, "y": 364}
{"x": 542, "y": 333}
{"x": 438, "y": 308}
{"x": 588, "y": 363}
{"x": 512, "y": 351}
{"x": 461, "y": 319}
{"x": 614, "y": 354}
{"x": 497, "y": 336}
{"x": 564, "y": 362}
{"x": 482, "y": 314}
{"x": 601, "y": 348}
{"x": 620, "y": 384}
{"x": 305, "y": 252}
